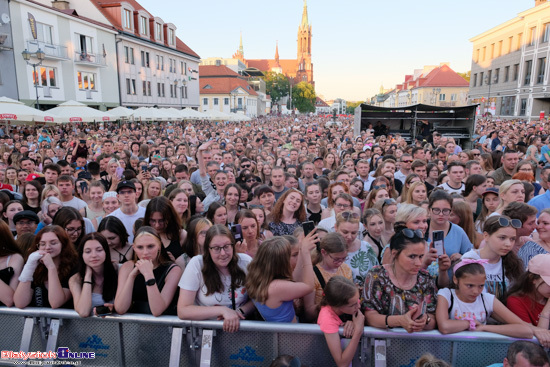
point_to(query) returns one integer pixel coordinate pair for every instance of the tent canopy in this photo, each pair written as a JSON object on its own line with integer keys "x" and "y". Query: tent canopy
{"x": 17, "y": 112}
{"x": 73, "y": 111}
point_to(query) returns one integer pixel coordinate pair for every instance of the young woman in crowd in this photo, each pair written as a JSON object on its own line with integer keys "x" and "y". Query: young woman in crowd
{"x": 540, "y": 245}
{"x": 475, "y": 186}
{"x": 11, "y": 264}
{"x": 196, "y": 207}
{"x": 376, "y": 194}
{"x": 374, "y": 234}
{"x": 288, "y": 213}
{"x": 11, "y": 208}
{"x": 416, "y": 194}
{"x": 232, "y": 195}
{"x": 32, "y": 192}
{"x": 341, "y": 298}
{"x": 334, "y": 189}
{"x": 161, "y": 215}
{"x": 152, "y": 189}
{"x": 217, "y": 213}
{"x": 508, "y": 192}
{"x": 271, "y": 283}
{"x": 356, "y": 189}
{"x": 149, "y": 283}
{"x": 110, "y": 204}
{"x": 388, "y": 208}
{"x": 409, "y": 180}
{"x": 95, "y": 284}
{"x": 250, "y": 231}
{"x": 461, "y": 215}
{"x": 467, "y": 307}
{"x": 259, "y": 212}
{"x": 180, "y": 201}
{"x": 44, "y": 280}
{"x": 314, "y": 195}
{"x": 213, "y": 284}
{"x": 50, "y": 206}
{"x": 72, "y": 222}
{"x": 116, "y": 235}
{"x": 503, "y": 267}
{"x": 194, "y": 241}
{"x": 95, "y": 208}
{"x": 401, "y": 294}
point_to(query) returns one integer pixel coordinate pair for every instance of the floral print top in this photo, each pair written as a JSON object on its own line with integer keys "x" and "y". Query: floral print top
{"x": 281, "y": 228}
{"x": 360, "y": 262}
{"x": 381, "y": 295}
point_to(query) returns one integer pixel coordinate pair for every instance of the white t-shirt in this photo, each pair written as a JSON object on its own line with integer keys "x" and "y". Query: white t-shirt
{"x": 451, "y": 190}
{"x": 192, "y": 280}
{"x": 75, "y": 203}
{"x": 468, "y": 311}
{"x": 493, "y": 272}
{"x": 129, "y": 220}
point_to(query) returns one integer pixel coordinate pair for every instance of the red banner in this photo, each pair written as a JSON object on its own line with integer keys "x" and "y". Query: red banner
{"x": 8, "y": 116}
{"x": 106, "y": 118}
{"x": 75, "y": 119}
{"x": 48, "y": 119}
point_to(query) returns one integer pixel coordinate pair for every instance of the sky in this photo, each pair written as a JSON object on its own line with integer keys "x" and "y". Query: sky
{"x": 357, "y": 46}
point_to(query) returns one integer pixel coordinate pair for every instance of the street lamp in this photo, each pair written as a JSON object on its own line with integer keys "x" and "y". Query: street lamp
{"x": 435, "y": 92}
{"x": 291, "y": 80}
{"x": 488, "y": 80}
{"x": 40, "y": 55}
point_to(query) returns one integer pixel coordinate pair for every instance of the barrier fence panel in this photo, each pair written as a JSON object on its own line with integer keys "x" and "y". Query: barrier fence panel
{"x": 144, "y": 340}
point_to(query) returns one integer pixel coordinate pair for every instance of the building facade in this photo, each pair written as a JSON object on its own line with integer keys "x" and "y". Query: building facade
{"x": 8, "y": 81}
{"x": 79, "y": 55}
{"x": 224, "y": 90}
{"x": 509, "y": 75}
{"x": 156, "y": 68}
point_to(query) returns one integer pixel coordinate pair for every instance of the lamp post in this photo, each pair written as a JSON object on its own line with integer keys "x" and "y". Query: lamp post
{"x": 40, "y": 55}
{"x": 488, "y": 80}
{"x": 291, "y": 80}
{"x": 435, "y": 92}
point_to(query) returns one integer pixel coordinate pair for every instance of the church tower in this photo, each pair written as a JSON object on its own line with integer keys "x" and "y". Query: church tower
{"x": 240, "y": 52}
{"x": 304, "y": 70}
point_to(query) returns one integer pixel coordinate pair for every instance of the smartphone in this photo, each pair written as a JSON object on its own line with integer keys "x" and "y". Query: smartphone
{"x": 83, "y": 186}
{"x": 144, "y": 168}
{"x": 308, "y": 227}
{"x": 437, "y": 242}
{"x": 237, "y": 232}
{"x": 157, "y": 151}
{"x": 103, "y": 310}
{"x": 423, "y": 308}
{"x": 119, "y": 171}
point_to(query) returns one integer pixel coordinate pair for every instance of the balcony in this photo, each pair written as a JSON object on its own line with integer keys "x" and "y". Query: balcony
{"x": 52, "y": 52}
{"x": 86, "y": 58}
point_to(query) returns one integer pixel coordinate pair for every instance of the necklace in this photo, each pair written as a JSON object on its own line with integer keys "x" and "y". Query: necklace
{"x": 407, "y": 286}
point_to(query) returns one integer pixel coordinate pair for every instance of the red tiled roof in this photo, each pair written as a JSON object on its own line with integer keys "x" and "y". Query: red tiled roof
{"x": 102, "y": 4}
{"x": 320, "y": 103}
{"x": 289, "y": 66}
{"x": 444, "y": 76}
{"x": 223, "y": 85}
{"x": 214, "y": 70}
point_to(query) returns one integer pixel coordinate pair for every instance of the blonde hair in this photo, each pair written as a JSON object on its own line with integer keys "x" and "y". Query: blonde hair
{"x": 407, "y": 212}
{"x": 503, "y": 189}
{"x": 412, "y": 187}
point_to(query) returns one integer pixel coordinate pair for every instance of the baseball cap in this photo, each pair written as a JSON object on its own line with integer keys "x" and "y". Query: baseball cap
{"x": 32, "y": 176}
{"x": 539, "y": 264}
{"x": 26, "y": 214}
{"x": 123, "y": 184}
{"x": 316, "y": 159}
{"x": 490, "y": 190}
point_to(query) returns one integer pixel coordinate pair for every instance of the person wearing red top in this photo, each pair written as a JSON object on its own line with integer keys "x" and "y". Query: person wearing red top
{"x": 529, "y": 296}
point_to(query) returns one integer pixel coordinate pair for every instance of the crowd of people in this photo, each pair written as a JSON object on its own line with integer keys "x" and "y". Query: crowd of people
{"x": 283, "y": 220}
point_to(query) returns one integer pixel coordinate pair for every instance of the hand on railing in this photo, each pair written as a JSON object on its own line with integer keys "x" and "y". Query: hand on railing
{"x": 408, "y": 322}
{"x": 231, "y": 320}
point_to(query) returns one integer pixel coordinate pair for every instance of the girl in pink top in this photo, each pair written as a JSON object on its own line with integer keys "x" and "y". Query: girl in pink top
{"x": 341, "y": 297}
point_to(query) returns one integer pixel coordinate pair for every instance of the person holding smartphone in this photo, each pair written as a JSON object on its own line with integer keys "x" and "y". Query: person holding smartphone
{"x": 94, "y": 286}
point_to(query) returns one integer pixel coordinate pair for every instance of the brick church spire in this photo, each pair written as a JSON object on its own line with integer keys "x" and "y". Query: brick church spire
{"x": 305, "y": 22}
{"x": 277, "y": 53}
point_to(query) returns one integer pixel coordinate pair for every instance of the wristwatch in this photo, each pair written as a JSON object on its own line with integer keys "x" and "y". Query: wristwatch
{"x": 151, "y": 281}
{"x": 428, "y": 319}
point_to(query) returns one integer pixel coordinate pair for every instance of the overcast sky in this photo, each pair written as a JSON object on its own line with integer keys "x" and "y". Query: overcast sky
{"x": 357, "y": 45}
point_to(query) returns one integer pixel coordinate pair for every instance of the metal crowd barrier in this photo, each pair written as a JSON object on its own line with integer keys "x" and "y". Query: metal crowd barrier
{"x": 144, "y": 340}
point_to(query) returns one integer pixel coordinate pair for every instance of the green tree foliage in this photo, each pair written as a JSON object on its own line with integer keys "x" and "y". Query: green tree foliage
{"x": 466, "y": 75}
{"x": 350, "y": 106}
{"x": 303, "y": 97}
{"x": 276, "y": 85}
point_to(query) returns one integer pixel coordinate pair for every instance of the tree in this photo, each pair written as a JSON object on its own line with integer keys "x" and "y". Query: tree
{"x": 303, "y": 97}
{"x": 350, "y": 106}
{"x": 466, "y": 75}
{"x": 276, "y": 85}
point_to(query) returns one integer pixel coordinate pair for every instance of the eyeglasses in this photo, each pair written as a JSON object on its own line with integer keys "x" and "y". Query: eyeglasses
{"x": 388, "y": 202}
{"x": 73, "y": 230}
{"x": 245, "y": 165}
{"x": 347, "y": 215}
{"x": 379, "y": 187}
{"x": 342, "y": 206}
{"x": 476, "y": 154}
{"x": 218, "y": 249}
{"x": 255, "y": 207}
{"x": 410, "y": 234}
{"x": 438, "y": 211}
{"x": 338, "y": 260}
{"x": 250, "y": 180}
{"x": 505, "y": 222}
{"x": 406, "y": 161}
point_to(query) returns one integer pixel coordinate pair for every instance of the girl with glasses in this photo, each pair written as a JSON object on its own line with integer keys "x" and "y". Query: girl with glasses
{"x": 271, "y": 282}
{"x": 149, "y": 282}
{"x": 503, "y": 266}
{"x": 44, "y": 280}
{"x": 72, "y": 222}
{"x": 213, "y": 284}
{"x": 401, "y": 293}
{"x": 329, "y": 260}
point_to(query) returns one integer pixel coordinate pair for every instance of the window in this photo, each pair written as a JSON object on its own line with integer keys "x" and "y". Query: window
{"x": 532, "y": 36}
{"x": 484, "y": 53}
{"x": 507, "y": 106}
{"x": 45, "y": 76}
{"x": 158, "y": 32}
{"x": 453, "y": 97}
{"x": 489, "y": 77}
{"x": 477, "y": 55}
{"x": 149, "y": 89}
{"x": 542, "y": 68}
{"x": 85, "y": 43}
{"x": 474, "y": 84}
{"x": 158, "y": 62}
{"x": 132, "y": 55}
{"x": 162, "y": 63}
{"x": 144, "y": 88}
{"x": 442, "y": 97}
{"x": 143, "y": 25}
{"x": 130, "y": 86}
{"x": 129, "y": 55}
{"x": 481, "y": 79}
{"x": 523, "y": 109}
{"x": 184, "y": 92}
{"x": 506, "y": 73}
{"x": 86, "y": 80}
{"x": 510, "y": 44}
{"x": 127, "y": 19}
{"x": 546, "y": 34}
{"x": 528, "y": 67}
{"x": 171, "y": 36}
{"x": 145, "y": 59}
{"x": 158, "y": 90}
{"x": 205, "y": 101}
{"x": 171, "y": 91}
{"x": 226, "y": 101}
{"x": 216, "y": 101}
{"x": 516, "y": 72}
{"x": 162, "y": 88}
{"x": 240, "y": 103}
{"x": 44, "y": 33}
{"x": 492, "y": 51}
{"x": 496, "y": 76}
{"x": 499, "y": 51}
{"x": 520, "y": 39}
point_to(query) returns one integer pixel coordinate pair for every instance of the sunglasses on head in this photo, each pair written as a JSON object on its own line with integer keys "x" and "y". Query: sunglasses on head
{"x": 379, "y": 187}
{"x": 245, "y": 165}
{"x": 347, "y": 215}
{"x": 505, "y": 222}
{"x": 410, "y": 234}
{"x": 388, "y": 202}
